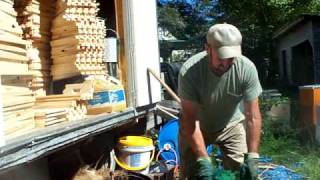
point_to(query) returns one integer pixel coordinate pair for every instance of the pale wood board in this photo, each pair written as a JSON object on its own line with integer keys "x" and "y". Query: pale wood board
{"x": 23, "y": 130}
{"x": 10, "y": 68}
{"x": 49, "y": 110}
{"x": 18, "y": 107}
{"x": 40, "y": 123}
{"x": 99, "y": 110}
{"x": 18, "y": 112}
{"x": 13, "y": 57}
{"x": 56, "y": 104}
{"x": 11, "y": 27}
{"x": 13, "y": 127}
{"x": 17, "y": 100}
{"x": 57, "y": 114}
{"x": 12, "y": 40}
{"x": 58, "y": 96}
{"x": 8, "y": 8}
{"x": 17, "y": 50}
{"x": 64, "y": 72}
{"x": 16, "y": 79}
{"x": 71, "y": 40}
{"x": 18, "y": 117}
{"x": 123, "y": 61}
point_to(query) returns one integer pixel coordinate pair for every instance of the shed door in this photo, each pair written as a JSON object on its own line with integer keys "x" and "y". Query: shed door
{"x": 302, "y": 64}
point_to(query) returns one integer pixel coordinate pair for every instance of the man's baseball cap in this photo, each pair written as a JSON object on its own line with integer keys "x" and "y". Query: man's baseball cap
{"x": 226, "y": 39}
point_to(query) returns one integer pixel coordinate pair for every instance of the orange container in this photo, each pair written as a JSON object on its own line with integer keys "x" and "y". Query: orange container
{"x": 309, "y": 99}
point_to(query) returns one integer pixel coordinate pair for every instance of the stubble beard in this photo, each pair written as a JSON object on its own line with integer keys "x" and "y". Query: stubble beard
{"x": 220, "y": 70}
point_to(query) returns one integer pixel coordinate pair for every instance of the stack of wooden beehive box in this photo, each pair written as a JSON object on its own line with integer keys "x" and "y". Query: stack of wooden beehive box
{"x": 40, "y": 39}
{"x": 17, "y": 98}
{"x": 18, "y": 101}
{"x": 35, "y": 16}
{"x": 77, "y": 39}
{"x": 53, "y": 109}
{"x": 13, "y": 54}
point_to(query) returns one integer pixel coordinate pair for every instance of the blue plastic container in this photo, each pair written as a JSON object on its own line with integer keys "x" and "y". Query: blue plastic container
{"x": 169, "y": 135}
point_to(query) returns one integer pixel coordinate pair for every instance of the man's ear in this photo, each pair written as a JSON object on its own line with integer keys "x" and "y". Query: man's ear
{"x": 206, "y": 46}
{"x": 208, "y": 49}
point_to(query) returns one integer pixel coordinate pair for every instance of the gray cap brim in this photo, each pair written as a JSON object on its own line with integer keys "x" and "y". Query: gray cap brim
{"x": 226, "y": 52}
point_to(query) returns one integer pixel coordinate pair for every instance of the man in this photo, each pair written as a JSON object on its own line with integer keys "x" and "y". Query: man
{"x": 211, "y": 86}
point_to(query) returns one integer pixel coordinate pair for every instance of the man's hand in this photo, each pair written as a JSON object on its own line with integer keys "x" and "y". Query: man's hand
{"x": 204, "y": 169}
{"x": 249, "y": 170}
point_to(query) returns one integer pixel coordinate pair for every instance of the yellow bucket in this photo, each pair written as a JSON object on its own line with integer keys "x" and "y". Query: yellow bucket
{"x": 134, "y": 141}
{"x": 134, "y": 153}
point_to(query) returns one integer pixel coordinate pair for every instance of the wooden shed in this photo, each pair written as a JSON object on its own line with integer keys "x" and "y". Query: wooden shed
{"x": 297, "y": 47}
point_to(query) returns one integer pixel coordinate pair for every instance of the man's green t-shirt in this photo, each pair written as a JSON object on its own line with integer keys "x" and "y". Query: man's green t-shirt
{"x": 218, "y": 97}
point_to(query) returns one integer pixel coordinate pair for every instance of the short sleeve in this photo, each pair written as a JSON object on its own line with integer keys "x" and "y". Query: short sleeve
{"x": 252, "y": 87}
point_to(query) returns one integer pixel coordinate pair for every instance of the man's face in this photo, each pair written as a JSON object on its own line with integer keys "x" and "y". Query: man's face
{"x": 217, "y": 65}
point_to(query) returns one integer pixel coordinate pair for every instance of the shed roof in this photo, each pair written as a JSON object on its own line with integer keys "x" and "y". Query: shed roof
{"x": 296, "y": 23}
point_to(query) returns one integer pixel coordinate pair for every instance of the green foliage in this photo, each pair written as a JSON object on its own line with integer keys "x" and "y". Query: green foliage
{"x": 280, "y": 141}
{"x": 258, "y": 20}
{"x": 185, "y": 20}
{"x": 225, "y": 175}
{"x": 171, "y": 20}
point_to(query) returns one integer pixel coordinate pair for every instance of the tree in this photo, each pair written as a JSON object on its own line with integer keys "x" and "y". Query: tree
{"x": 257, "y": 20}
{"x": 186, "y": 20}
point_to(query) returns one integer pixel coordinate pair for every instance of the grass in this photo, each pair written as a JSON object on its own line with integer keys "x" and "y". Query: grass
{"x": 280, "y": 141}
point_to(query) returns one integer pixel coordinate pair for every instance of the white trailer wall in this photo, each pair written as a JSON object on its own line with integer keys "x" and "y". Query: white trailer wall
{"x": 141, "y": 49}
{"x": 2, "y": 140}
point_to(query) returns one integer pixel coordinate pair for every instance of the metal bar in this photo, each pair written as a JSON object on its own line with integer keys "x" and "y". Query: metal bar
{"x": 42, "y": 143}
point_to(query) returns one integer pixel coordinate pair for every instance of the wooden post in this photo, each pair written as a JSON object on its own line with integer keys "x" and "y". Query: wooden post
{"x": 2, "y": 140}
{"x": 123, "y": 65}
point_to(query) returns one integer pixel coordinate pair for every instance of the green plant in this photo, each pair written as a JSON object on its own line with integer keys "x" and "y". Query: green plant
{"x": 280, "y": 141}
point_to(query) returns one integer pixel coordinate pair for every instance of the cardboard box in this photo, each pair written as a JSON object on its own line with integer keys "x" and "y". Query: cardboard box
{"x": 112, "y": 100}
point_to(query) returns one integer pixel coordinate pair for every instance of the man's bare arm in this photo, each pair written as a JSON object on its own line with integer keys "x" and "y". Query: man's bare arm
{"x": 253, "y": 124}
{"x": 190, "y": 128}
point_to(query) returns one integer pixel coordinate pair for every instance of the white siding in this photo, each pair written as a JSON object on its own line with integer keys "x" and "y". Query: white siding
{"x": 142, "y": 49}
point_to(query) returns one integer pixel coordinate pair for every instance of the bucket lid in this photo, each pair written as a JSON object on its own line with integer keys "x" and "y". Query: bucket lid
{"x": 135, "y": 141}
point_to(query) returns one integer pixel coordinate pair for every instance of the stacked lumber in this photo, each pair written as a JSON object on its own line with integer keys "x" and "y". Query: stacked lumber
{"x": 85, "y": 90}
{"x": 77, "y": 39}
{"x": 13, "y": 54}
{"x": 35, "y": 16}
{"x": 18, "y": 101}
{"x": 50, "y": 116}
{"x": 29, "y": 17}
{"x": 102, "y": 95}
{"x": 54, "y": 109}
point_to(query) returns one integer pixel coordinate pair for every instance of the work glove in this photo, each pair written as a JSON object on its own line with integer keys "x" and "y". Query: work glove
{"x": 204, "y": 169}
{"x": 249, "y": 170}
